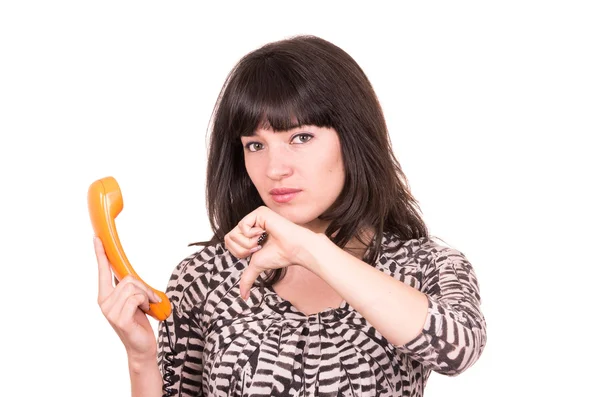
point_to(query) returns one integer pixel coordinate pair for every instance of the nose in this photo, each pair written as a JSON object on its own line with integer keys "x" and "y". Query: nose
{"x": 279, "y": 165}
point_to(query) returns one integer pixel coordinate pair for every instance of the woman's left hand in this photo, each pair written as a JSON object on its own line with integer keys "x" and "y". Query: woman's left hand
{"x": 283, "y": 247}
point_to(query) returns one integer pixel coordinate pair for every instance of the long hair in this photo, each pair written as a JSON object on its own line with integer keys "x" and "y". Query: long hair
{"x": 305, "y": 80}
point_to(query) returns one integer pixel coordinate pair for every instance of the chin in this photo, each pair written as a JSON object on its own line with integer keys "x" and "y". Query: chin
{"x": 296, "y": 215}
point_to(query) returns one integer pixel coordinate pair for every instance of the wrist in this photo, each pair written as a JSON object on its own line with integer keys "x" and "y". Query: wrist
{"x": 311, "y": 244}
{"x": 141, "y": 364}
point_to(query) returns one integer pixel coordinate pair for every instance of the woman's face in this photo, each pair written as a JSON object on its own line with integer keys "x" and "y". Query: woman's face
{"x": 298, "y": 173}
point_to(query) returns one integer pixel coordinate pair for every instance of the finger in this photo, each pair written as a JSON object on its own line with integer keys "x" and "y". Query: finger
{"x": 242, "y": 251}
{"x": 248, "y": 225}
{"x": 244, "y": 242}
{"x": 256, "y": 231}
{"x": 128, "y": 286}
{"x": 105, "y": 286}
{"x": 129, "y": 279}
{"x": 247, "y": 279}
{"x": 119, "y": 299}
{"x": 131, "y": 305}
{"x": 243, "y": 226}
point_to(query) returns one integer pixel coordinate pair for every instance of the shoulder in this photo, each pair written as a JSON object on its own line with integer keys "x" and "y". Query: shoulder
{"x": 398, "y": 257}
{"x": 200, "y": 273}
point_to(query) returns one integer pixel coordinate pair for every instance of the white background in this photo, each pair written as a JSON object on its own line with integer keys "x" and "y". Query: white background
{"x": 492, "y": 108}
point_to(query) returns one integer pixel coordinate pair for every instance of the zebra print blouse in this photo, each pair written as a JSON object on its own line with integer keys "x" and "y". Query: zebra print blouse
{"x": 225, "y": 346}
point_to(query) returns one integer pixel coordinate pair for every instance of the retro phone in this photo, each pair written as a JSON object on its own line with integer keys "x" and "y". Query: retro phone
{"x": 105, "y": 202}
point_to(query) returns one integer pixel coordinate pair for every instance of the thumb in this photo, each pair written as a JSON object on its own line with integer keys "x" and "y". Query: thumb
{"x": 247, "y": 280}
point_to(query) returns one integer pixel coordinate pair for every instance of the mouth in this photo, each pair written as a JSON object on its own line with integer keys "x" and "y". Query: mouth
{"x": 284, "y": 195}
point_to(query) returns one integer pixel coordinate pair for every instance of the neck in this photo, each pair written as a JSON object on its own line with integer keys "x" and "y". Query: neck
{"x": 355, "y": 247}
{"x": 316, "y": 226}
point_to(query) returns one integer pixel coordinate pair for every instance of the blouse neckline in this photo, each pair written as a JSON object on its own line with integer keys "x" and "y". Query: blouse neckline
{"x": 286, "y": 308}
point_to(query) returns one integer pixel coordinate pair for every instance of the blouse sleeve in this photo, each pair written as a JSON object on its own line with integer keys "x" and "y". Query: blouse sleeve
{"x": 184, "y": 363}
{"x": 454, "y": 333}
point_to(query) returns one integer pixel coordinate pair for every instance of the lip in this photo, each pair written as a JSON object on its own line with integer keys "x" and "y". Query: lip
{"x": 283, "y": 190}
{"x": 283, "y": 195}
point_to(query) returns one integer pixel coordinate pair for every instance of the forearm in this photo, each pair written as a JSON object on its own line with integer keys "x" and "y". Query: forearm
{"x": 146, "y": 380}
{"x": 395, "y": 309}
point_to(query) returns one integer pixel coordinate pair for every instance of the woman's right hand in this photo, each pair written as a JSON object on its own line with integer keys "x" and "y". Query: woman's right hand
{"x": 121, "y": 307}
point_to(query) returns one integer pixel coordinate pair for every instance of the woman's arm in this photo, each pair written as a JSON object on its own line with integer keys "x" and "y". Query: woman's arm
{"x": 374, "y": 294}
{"x": 121, "y": 307}
{"x": 146, "y": 380}
{"x": 442, "y": 327}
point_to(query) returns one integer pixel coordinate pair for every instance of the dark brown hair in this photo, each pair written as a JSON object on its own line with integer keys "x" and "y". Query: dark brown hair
{"x": 305, "y": 80}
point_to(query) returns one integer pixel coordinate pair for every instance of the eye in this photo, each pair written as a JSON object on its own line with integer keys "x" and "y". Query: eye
{"x": 253, "y": 146}
{"x": 302, "y": 138}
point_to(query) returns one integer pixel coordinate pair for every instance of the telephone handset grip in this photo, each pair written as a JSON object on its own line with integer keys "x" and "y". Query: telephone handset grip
{"x": 105, "y": 202}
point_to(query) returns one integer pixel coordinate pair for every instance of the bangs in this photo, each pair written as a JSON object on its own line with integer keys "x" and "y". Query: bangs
{"x": 272, "y": 94}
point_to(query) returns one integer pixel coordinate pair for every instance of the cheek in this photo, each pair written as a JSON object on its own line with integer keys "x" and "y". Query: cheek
{"x": 251, "y": 168}
{"x": 334, "y": 178}
{"x": 336, "y": 170}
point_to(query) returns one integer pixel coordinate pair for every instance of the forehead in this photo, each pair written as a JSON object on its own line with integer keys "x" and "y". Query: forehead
{"x": 263, "y": 130}
{"x": 265, "y": 125}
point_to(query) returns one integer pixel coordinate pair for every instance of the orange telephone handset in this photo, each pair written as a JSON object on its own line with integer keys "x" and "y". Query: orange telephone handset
{"x": 105, "y": 202}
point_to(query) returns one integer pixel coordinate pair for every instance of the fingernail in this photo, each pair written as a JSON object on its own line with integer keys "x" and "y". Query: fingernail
{"x": 156, "y": 297}
{"x": 253, "y": 250}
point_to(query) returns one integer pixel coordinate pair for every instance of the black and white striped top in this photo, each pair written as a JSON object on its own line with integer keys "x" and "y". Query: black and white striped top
{"x": 225, "y": 346}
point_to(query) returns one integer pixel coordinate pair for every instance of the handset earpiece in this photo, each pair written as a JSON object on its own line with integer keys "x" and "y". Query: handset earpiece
{"x": 105, "y": 202}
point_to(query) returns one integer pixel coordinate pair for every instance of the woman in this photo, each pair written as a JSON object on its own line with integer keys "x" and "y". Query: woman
{"x": 321, "y": 278}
